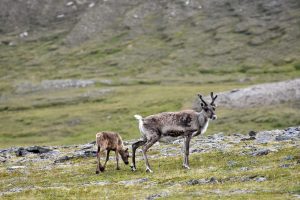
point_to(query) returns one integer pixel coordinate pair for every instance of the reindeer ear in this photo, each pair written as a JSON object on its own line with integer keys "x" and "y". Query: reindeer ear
{"x": 126, "y": 149}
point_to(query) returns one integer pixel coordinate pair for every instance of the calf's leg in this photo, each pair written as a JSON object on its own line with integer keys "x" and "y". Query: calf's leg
{"x": 99, "y": 166}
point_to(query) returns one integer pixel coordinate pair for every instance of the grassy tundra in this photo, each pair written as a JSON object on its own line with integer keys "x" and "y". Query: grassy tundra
{"x": 73, "y": 116}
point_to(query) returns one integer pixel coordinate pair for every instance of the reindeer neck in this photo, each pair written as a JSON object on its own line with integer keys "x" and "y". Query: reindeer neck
{"x": 202, "y": 120}
{"x": 202, "y": 116}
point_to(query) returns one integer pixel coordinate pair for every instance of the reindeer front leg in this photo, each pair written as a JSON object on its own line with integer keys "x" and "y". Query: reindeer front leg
{"x": 99, "y": 166}
{"x": 107, "y": 158}
{"x": 117, "y": 159}
{"x": 186, "y": 149}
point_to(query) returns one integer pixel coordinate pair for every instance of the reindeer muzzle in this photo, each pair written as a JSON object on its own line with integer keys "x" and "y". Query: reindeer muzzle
{"x": 214, "y": 117}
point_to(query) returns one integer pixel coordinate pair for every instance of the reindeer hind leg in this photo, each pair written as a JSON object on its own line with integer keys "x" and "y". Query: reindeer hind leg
{"x": 155, "y": 137}
{"x": 134, "y": 148}
{"x": 99, "y": 166}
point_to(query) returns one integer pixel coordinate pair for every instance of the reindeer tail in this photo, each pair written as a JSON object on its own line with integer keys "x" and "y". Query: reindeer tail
{"x": 141, "y": 127}
{"x": 138, "y": 117}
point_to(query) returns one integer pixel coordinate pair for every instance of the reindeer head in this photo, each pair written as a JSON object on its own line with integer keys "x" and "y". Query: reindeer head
{"x": 209, "y": 109}
{"x": 125, "y": 155}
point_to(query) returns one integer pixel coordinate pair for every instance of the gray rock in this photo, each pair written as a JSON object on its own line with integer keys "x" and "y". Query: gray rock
{"x": 52, "y": 85}
{"x": 155, "y": 196}
{"x": 252, "y": 133}
{"x": 134, "y": 182}
{"x": 16, "y": 167}
{"x": 285, "y": 165}
{"x": 85, "y": 153}
{"x": 289, "y": 157}
{"x": 196, "y": 182}
{"x": 21, "y": 152}
{"x": 202, "y": 181}
{"x": 37, "y": 149}
{"x": 100, "y": 183}
{"x": 63, "y": 159}
{"x": 231, "y": 163}
{"x": 282, "y": 137}
{"x": 244, "y": 168}
{"x": 213, "y": 180}
{"x": 87, "y": 146}
{"x": 249, "y": 138}
{"x": 260, "y": 179}
{"x": 261, "y": 152}
{"x": 258, "y": 95}
{"x": 3, "y": 159}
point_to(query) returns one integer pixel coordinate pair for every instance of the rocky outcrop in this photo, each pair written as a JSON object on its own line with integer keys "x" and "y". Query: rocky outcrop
{"x": 258, "y": 95}
{"x": 219, "y": 142}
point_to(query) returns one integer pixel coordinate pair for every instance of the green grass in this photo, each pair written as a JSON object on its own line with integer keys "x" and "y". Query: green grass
{"x": 146, "y": 74}
{"x": 67, "y": 181}
{"x": 77, "y": 122}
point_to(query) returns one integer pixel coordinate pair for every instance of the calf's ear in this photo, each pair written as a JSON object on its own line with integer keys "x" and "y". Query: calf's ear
{"x": 126, "y": 149}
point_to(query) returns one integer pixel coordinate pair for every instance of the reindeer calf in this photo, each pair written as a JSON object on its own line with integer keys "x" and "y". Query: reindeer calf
{"x": 110, "y": 141}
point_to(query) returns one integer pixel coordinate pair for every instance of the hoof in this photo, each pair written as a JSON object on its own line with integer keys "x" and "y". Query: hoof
{"x": 102, "y": 169}
{"x": 149, "y": 170}
{"x": 118, "y": 168}
{"x": 133, "y": 168}
{"x": 97, "y": 172}
{"x": 186, "y": 167}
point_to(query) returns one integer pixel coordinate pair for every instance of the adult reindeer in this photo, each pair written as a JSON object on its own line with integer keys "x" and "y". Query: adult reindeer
{"x": 186, "y": 124}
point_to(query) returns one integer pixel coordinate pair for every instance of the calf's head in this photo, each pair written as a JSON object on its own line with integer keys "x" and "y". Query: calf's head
{"x": 125, "y": 155}
{"x": 209, "y": 109}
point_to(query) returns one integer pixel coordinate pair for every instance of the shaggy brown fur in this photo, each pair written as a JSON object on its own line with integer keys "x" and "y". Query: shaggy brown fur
{"x": 110, "y": 141}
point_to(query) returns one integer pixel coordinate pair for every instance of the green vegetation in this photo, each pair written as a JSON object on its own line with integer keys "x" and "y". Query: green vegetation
{"x": 78, "y": 181}
{"x": 135, "y": 83}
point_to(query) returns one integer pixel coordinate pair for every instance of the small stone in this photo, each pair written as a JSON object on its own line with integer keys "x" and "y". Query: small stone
{"x": 16, "y": 167}
{"x": 60, "y": 16}
{"x": 134, "y": 182}
{"x": 70, "y": 3}
{"x": 87, "y": 146}
{"x": 244, "y": 168}
{"x": 2, "y": 159}
{"x": 91, "y": 5}
{"x": 213, "y": 180}
{"x": 231, "y": 163}
{"x": 261, "y": 152}
{"x": 193, "y": 182}
{"x": 21, "y": 152}
{"x": 285, "y": 165}
{"x": 282, "y": 138}
{"x": 260, "y": 179}
{"x": 63, "y": 159}
{"x": 252, "y": 133}
{"x": 24, "y": 34}
{"x": 289, "y": 157}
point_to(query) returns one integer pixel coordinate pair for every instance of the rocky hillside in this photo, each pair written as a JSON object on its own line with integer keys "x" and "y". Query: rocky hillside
{"x": 200, "y": 32}
{"x": 258, "y": 95}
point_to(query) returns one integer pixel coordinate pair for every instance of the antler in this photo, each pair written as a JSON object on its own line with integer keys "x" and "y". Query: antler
{"x": 200, "y": 96}
{"x": 213, "y": 98}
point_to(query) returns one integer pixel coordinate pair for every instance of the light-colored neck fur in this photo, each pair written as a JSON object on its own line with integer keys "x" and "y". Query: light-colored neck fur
{"x": 203, "y": 122}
